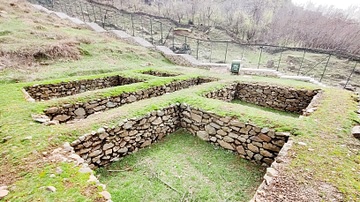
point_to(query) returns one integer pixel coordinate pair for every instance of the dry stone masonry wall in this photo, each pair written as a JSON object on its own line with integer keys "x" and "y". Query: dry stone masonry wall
{"x": 69, "y": 112}
{"x": 63, "y": 89}
{"x": 276, "y": 97}
{"x": 257, "y": 144}
{"x": 109, "y": 144}
{"x": 260, "y": 145}
{"x": 160, "y": 74}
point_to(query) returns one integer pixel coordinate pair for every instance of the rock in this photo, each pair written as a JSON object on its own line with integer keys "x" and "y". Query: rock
{"x": 52, "y": 176}
{"x": 160, "y": 113}
{"x": 110, "y": 105}
{"x": 257, "y": 157}
{"x": 52, "y": 110}
{"x": 196, "y": 117}
{"x": 157, "y": 121}
{"x": 3, "y": 193}
{"x": 128, "y": 125}
{"x": 253, "y": 148}
{"x": 226, "y": 145}
{"x": 123, "y": 150}
{"x": 108, "y": 146}
{"x": 92, "y": 178}
{"x": 95, "y": 153}
{"x": 221, "y": 132}
{"x": 85, "y": 169}
{"x": 264, "y": 130}
{"x": 106, "y": 195}
{"x": 237, "y": 124}
{"x": 67, "y": 147}
{"x": 265, "y": 153}
{"x": 51, "y": 188}
{"x": 5, "y": 139}
{"x": 146, "y": 143}
{"x": 302, "y": 143}
{"x": 61, "y": 118}
{"x": 228, "y": 139}
{"x": 203, "y": 135}
{"x": 271, "y": 147}
{"x": 131, "y": 98}
{"x": 80, "y": 113}
{"x": 271, "y": 172}
{"x": 40, "y": 118}
{"x": 240, "y": 149}
{"x": 264, "y": 137}
{"x": 59, "y": 170}
{"x": 356, "y": 132}
{"x": 209, "y": 129}
{"x": 27, "y": 138}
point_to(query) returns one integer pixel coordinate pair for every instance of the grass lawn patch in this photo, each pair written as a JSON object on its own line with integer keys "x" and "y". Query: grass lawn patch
{"x": 182, "y": 167}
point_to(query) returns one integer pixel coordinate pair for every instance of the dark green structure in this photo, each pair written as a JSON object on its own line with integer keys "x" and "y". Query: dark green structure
{"x": 235, "y": 66}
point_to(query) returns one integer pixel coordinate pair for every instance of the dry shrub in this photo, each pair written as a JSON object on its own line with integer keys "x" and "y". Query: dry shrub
{"x": 61, "y": 50}
{"x": 24, "y": 58}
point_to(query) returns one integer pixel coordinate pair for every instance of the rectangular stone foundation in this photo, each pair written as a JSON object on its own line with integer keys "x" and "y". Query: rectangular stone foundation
{"x": 100, "y": 148}
{"x": 275, "y": 97}
{"x": 63, "y": 89}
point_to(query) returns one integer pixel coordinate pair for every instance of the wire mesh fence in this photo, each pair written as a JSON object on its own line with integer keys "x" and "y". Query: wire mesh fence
{"x": 327, "y": 67}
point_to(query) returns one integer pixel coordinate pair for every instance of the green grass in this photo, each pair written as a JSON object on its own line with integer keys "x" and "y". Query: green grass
{"x": 197, "y": 170}
{"x": 69, "y": 183}
{"x": 334, "y": 160}
{"x": 293, "y": 115}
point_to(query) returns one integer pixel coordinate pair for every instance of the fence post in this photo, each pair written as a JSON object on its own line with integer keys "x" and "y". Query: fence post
{"x": 352, "y": 72}
{"x": 82, "y": 11}
{"x": 132, "y": 24}
{"x": 261, "y": 50}
{"x": 302, "y": 62}
{"x": 243, "y": 52}
{"x": 161, "y": 33}
{"x": 226, "y": 51}
{"x": 281, "y": 52}
{"x": 327, "y": 63}
{"x": 142, "y": 26}
{"x": 92, "y": 5}
{"x": 197, "y": 49}
{"x": 151, "y": 31}
{"x": 173, "y": 41}
{"x": 210, "y": 50}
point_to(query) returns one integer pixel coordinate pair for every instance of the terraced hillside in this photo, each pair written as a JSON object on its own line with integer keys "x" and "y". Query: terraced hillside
{"x": 88, "y": 117}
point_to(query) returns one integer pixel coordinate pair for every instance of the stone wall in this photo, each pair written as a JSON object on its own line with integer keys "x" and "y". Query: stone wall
{"x": 260, "y": 145}
{"x": 276, "y": 97}
{"x": 63, "y": 89}
{"x": 109, "y": 144}
{"x": 160, "y": 74}
{"x": 69, "y": 112}
{"x": 257, "y": 144}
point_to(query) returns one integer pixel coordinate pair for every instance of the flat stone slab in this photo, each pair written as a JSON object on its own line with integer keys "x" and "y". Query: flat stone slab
{"x": 120, "y": 34}
{"x": 356, "y": 132}
{"x": 190, "y": 59}
{"x": 76, "y": 21}
{"x": 143, "y": 42}
{"x": 41, "y": 8}
{"x": 95, "y": 27}
{"x": 165, "y": 50}
{"x": 61, "y": 15}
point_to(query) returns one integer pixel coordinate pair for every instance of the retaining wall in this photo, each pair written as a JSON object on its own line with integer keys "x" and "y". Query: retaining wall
{"x": 160, "y": 74}
{"x": 69, "y": 112}
{"x": 63, "y": 89}
{"x": 249, "y": 141}
{"x": 276, "y": 97}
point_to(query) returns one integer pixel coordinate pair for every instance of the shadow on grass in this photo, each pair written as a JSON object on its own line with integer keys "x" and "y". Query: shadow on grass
{"x": 282, "y": 113}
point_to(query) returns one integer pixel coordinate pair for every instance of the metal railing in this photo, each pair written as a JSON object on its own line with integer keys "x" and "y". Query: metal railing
{"x": 328, "y": 66}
